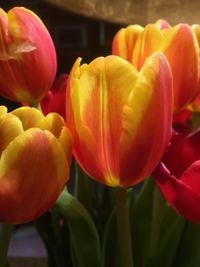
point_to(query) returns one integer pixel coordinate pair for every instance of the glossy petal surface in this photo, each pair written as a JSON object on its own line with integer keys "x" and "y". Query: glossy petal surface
{"x": 34, "y": 163}
{"x": 184, "y": 193}
{"x": 108, "y": 102}
{"x": 27, "y": 56}
{"x": 180, "y": 46}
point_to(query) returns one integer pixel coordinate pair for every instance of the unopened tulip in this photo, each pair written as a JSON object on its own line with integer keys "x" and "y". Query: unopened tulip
{"x": 27, "y": 56}
{"x": 180, "y": 46}
{"x": 178, "y": 177}
{"x": 35, "y": 154}
{"x": 119, "y": 118}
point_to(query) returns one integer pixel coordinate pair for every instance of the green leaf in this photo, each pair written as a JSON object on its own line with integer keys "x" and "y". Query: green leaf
{"x": 170, "y": 234}
{"x": 85, "y": 245}
{"x": 188, "y": 252}
{"x": 55, "y": 238}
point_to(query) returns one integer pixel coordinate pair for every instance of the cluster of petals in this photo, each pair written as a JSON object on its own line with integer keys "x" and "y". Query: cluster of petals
{"x": 178, "y": 175}
{"x": 180, "y": 45}
{"x": 119, "y": 112}
{"x": 120, "y": 118}
{"x": 35, "y": 153}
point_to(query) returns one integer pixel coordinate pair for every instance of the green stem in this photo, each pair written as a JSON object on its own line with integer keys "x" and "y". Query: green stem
{"x": 123, "y": 226}
{"x": 5, "y": 235}
{"x": 156, "y": 219}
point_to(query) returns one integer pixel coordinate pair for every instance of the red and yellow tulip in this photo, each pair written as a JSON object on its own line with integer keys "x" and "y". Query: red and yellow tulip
{"x": 35, "y": 154}
{"x": 27, "y": 56}
{"x": 119, "y": 118}
{"x": 180, "y": 46}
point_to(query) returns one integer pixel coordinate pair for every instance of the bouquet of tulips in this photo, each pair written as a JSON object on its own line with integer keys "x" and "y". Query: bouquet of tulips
{"x": 125, "y": 128}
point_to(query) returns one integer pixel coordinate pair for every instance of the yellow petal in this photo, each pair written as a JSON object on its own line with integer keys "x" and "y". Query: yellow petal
{"x": 65, "y": 140}
{"x": 148, "y": 42}
{"x": 3, "y": 110}
{"x": 124, "y": 41}
{"x": 10, "y": 127}
{"x": 30, "y": 117}
{"x": 147, "y": 118}
{"x": 53, "y": 123}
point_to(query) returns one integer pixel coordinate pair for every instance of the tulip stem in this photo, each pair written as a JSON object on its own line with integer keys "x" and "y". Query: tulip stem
{"x": 156, "y": 219}
{"x": 123, "y": 226}
{"x": 5, "y": 235}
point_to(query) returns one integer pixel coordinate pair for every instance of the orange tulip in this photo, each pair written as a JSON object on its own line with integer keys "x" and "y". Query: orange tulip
{"x": 179, "y": 45}
{"x": 34, "y": 164}
{"x": 27, "y": 56}
{"x": 119, "y": 118}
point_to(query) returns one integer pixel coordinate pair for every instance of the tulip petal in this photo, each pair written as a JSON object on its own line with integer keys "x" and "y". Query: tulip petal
{"x": 53, "y": 123}
{"x": 184, "y": 148}
{"x": 124, "y": 41}
{"x": 181, "y": 46}
{"x": 65, "y": 140}
{"x": 184, "y": 198}
{"x": 55, "y": 100}
{"x": 10, "y": 127}
{"x": 3, "y": 110}
{"x": 30, "y": 117}
{"x": 191, "y": 177}
{"x": 33, "y": 172}
{"x": 147, "y": 43}
{"x": 162, "y": 24}
{"x": 146, "y": 107}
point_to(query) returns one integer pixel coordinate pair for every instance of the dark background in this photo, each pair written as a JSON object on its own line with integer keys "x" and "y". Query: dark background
{"x": 73, "y": 35}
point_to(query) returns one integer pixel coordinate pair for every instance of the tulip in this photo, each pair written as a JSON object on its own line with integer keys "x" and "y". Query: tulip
{"x": 178, "y": 176}
{"x": 34, "y": 164}
{"x": 119, "y": 118}
{"x": 179, "y": 45}
{"x": 27, "y": 56}
{"x": 55, "y": 99}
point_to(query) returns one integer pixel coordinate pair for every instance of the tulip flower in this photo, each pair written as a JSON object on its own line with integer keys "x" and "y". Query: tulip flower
{"x": 55, "y": 99}
{"x": 180, "y": 46}
{"x": 119, "y": 118}
{"x": 34, "y": 164}
{"x": 178, "y": 176}
{"x": 27, "y": 56}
